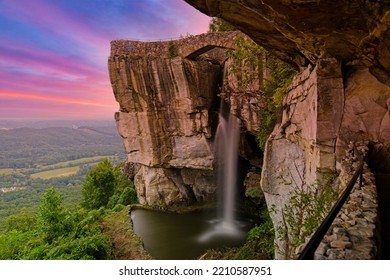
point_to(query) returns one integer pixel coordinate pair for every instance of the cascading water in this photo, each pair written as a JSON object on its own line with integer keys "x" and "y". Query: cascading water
{"x": 226, "y": 144}
{"x": 227, "y": 138}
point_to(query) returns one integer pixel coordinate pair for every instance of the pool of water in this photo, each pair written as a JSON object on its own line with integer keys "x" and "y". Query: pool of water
{"x": 169, "y": 236}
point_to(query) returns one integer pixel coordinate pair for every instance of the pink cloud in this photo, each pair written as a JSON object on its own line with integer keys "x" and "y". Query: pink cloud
{"x": 66, "y": 72}
{"x": 49, "y": 106}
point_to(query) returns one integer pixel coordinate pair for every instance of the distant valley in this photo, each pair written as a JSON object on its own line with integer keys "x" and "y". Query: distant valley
{"x": 37, "y": 155}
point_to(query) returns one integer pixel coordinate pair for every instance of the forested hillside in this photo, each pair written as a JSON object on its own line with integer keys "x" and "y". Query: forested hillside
{"x": 30, "y": 147}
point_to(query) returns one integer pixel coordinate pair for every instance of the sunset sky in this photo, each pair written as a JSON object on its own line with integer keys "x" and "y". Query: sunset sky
{"x": 53, "y": 53}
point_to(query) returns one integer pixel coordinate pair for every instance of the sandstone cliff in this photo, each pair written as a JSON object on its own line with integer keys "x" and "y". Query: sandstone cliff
{"x": 168, "y": 94}
{"x": 341, "y": 94}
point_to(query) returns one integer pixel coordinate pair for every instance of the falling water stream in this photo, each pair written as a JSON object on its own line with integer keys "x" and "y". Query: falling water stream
{"x": 226, "y": 143}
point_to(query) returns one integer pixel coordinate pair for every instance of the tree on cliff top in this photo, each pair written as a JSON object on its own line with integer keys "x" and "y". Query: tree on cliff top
{"x": 220, "y": 25}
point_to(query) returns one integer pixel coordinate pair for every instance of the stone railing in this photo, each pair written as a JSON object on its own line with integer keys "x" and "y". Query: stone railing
{"x": 354, "y": 232}
{"x": 183, "y": 47}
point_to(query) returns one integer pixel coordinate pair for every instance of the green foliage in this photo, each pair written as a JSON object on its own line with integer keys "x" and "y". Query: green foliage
{"x": 55, "y": 233}
{"x": 128, "y": 196}
{"x": 305, "y": 211}
{"x": 45, "y": 228}
{"x": 24, "y": 221}
{"x": 12, "y": 244}
{"x": 268, "y": 122}
{"x": 281, "y": 75}
{"x": 27, "y": 151}
{"x": 220, "y": 25}
{"x": 260, "y": 73}
{"x": 260, "y": 240}
{"x": 253, "y": 193}
{"x": 275, "y": 89}
{"x": 99, "y": 185}
{"x": 11, "y": 203}
{"x": 51, "y": 215}
{"x": 172, "y": 48}
{"x": 106, "y": 186}
{"x": 247, "y": 66}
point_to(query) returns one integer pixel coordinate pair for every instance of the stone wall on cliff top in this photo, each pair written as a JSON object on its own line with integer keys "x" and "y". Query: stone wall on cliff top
{"x": 168, "y": 98}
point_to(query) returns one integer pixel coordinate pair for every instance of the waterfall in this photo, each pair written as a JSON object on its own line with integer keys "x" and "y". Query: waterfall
{"x": 226, "y": 145}
{"x": 226, "y": 141}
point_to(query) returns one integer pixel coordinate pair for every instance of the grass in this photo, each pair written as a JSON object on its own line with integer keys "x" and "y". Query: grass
{"x": 59, "y": 172}
{"x": 126, "y": 244}
{"x": 74, "y": 162}
{"x": 65, "y": 168}
{"x": 7, "y": 171}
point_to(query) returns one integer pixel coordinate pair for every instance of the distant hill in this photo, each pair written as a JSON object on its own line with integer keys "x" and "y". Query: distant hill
{"x": 10, "y": 124}
{"x": 29, "y": 147}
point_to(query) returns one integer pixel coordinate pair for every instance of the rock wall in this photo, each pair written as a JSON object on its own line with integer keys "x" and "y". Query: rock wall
{"x": 366, "y": 113}
{"x": 323, "y": 112}
{"x": 168, "y": 94}
{"x": 301, "y": 149}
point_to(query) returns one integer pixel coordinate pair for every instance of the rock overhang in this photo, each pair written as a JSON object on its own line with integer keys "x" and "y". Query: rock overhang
{"x": 302, "y": 32}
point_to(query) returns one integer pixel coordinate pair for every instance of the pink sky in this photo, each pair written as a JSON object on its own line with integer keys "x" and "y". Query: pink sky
{"x": 53, "y": 54}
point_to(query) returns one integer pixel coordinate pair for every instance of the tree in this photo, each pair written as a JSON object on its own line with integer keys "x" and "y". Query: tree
{"x": 55, "y": 233}
{"x": 24, "y": 221}
{"x": 259, "y": 72}
{"x": 99, "y": 185}
{"x": 51, "y": 215}
{"x": 124, "y": 193}
{"x": 220, "y": 25}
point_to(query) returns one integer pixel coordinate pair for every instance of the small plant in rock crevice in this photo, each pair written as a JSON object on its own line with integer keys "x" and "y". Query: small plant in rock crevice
{"x": 307, "y": 207}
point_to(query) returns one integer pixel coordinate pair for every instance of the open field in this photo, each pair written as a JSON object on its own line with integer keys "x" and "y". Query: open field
{"x": 75, "y": 162}
{"x": 59, "y": 172}
{"x": 64, "y": 164}
{"x": 65, "y": 168}
{"x": 6, "y": 171}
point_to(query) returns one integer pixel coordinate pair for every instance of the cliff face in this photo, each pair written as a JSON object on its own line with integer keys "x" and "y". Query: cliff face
{"x": 168, "y": 97}
{"x": 340, "y": 95}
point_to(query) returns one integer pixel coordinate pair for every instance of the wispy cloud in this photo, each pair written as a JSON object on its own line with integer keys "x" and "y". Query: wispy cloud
{"x": 53, "y": 54}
